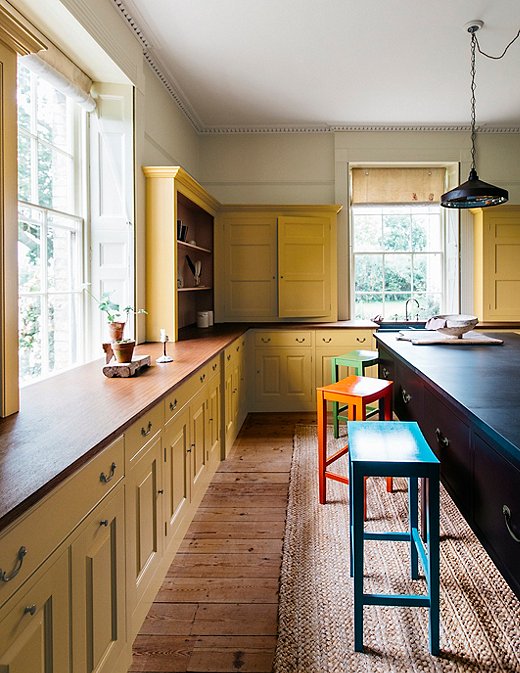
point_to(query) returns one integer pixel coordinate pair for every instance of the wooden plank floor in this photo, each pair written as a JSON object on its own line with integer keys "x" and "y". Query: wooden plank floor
{"x": 217, "y": 610}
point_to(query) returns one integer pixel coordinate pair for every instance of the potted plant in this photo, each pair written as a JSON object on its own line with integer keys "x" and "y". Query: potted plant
{"x": 123, "y": 350}
{"x": 116, "y": 316}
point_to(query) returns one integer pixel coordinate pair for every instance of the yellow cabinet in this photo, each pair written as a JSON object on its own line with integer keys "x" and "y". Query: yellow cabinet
{"x": 98, "y": 589}
{"x": 214, "y": 403}
{"x": 198, "y": 441}
{"x": 331, "y": 343}
{"x": 283, "y": 375}
{"x": 276, "y": 262}
{"x": 235, "y": 390}
{"x": 496, "y": 268}
{"x": 35, "y": 623}
{"x": 173, "y": 295}
{"x": 176, "y": 472}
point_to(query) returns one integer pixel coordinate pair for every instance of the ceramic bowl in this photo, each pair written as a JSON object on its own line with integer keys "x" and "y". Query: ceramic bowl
{"x": 454, "y": 324}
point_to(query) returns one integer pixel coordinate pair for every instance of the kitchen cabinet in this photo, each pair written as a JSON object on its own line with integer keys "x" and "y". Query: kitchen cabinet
{"x": 284, "y": 374}
{"x": 496, "y": 268}
{"x": 334, "y": 342}
{"x": 276, "y": 263}
{"x": 235, "y": 390}
{"x": 173, "y": 296}
{"x": 176, "y": 472}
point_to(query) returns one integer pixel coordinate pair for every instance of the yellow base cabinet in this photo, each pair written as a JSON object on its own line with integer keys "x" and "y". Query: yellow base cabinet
{"x": 284, "y": 374}
{"x": 98, "y": 588}
{"x": 331, "y": 343}
{"x": 276, "y": 263}
{"x": 235, "y": 391}
{"x": 496, "y": 267}
{"x": 35, "y": 623}
{"x": 176, "y": 471}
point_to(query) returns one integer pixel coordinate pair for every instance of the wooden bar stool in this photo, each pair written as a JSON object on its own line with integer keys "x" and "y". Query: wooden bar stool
{"x": 398, "y": 449}
{"x": 357, "y": 360}
{"x": 356, "y": 392}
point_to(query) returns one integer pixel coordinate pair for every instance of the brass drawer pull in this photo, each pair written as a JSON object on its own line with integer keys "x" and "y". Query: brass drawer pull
{"x": 507, "y": 518}
{"x": 385, "y": 373}
{"x": 103, "y": 522}
{"x": 361, "y": 340}
{"x": 327, "y": 341}
{"x": 442, "y": 441}
{"x": 300, "y": 341}
{"x": 30, "y": 609}
{"x": 214, "y": 366}
{"x": 160, "y": 491}
{"x": 238, "y": 348}
{"x": 265, "y": 341}
{"x": 148, "y": 430}
{"x": 202, "y": 378}
{"x": 229, "y": 357}
{"x": 7, "y": 577}
{"x": 173, "y": 405}
{"x": 406, "y": 396}
{"x": 103, "y": 477}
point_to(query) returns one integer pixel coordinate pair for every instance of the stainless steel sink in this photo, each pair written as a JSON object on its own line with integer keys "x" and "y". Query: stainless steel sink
{"x": 397, "y": 326}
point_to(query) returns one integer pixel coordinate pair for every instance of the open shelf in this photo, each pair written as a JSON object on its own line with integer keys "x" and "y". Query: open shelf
{"x": 193, "y": 247}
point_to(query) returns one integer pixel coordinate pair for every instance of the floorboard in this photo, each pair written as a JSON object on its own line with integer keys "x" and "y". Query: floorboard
{"x": 217, "y": 609}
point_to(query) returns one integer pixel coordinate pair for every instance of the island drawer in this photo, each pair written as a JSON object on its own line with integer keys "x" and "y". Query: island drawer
{"x": 35, "y": 535}
{"x": 496, "y": 511}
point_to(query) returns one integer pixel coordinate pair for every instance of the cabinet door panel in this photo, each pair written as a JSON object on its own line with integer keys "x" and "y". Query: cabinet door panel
{"x": 98, "y": 581}
{"x": 268, "y": 375}
{"x": 214, "y": 423}
{"x": 38, "y": 641}
{"x": 198, "y": 439}
{"x": 176, "y": 476}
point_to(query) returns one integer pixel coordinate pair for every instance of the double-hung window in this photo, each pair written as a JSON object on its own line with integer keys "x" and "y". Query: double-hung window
{"x": 50, "y": 228}
{"x": 400, "y": 246}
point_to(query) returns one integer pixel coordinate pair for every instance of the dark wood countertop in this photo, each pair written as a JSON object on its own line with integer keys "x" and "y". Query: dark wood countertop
{"x": 482, "y": 380}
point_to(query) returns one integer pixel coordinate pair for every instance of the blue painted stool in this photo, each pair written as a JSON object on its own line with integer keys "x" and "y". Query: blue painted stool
{"x": 397, "y": 449}
{"x": 358, "y": 360}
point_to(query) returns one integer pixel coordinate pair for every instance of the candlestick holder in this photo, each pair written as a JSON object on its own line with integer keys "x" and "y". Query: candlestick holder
{"x": 164, "y": 357}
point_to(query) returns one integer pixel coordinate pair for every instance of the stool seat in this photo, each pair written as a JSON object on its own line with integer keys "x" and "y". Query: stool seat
{"x": 356, "y": 392}
{"x": 398, "y": 449}
{"x": 358, "y": 360}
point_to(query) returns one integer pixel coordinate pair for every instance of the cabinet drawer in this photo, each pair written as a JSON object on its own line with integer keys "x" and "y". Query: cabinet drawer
{"x": 386, "y": 365}
{"x": 42, "y": 529}
{"x": 140, "y": 432}
{"x": 234, "y": 351}
{"x": 408, "y": 394}
{"x": 176, "y": 400}
{"x": 346, "y": 339}
{"x": 283, "y": 338}
{"x": 448, "y": 436}
{"x": 496, "y": 483}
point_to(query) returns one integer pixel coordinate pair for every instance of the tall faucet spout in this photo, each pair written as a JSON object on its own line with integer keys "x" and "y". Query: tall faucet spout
{"x": 406, "y": 317}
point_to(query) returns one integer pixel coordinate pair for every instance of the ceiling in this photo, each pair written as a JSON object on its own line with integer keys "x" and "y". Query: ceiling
{"x": 238, "y": 65}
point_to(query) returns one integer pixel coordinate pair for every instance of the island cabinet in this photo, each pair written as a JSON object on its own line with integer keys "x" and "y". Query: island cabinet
{"x": 496, "y": 268}
{"x": 62, "y": 592}
{"x": 471, "y": 422}
{"x": 179, "y": 233}
{"x": 276, "y": 263}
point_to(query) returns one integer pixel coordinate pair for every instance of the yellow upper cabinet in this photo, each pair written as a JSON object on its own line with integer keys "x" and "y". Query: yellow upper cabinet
{"x": 276, "y": 262}
{"x": 173, "y": 293}
{"x": 497, "y": 268}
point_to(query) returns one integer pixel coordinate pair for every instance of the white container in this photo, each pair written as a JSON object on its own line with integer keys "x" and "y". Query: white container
{"x": 210, "y": 318}
{"x": 202, "y": 319}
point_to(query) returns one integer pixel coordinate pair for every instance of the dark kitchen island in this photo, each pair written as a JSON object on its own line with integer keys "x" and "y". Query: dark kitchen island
{"x": 466, "y": 400}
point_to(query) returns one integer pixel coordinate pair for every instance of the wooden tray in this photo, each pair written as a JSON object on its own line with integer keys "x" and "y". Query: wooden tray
{"x": 123, "y": 370}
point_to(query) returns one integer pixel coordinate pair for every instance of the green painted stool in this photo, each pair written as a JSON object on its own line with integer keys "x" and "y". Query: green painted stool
{"x": 359, "y": 361}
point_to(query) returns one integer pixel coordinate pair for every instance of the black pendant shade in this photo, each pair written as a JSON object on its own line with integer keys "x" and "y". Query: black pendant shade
{"x": 474, "y": 194}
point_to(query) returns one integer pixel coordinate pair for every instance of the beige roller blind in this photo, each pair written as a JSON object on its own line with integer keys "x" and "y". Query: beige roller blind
{"x": 397, "y": 185}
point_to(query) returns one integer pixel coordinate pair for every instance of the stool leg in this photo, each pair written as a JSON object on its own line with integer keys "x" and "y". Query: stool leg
{"x": 387, "y": 410}
{"x": 357, "y": 541}
{"x": 433, "y": 558}
{"x": 413, "y": 516}
{"x": 335, "y": 405}
{"x": 322, "y": 445}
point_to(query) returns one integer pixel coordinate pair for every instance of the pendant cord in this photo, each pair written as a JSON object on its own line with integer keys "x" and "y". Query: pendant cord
{"x": 496, "y": 58}
{"x": 473, "y": 101}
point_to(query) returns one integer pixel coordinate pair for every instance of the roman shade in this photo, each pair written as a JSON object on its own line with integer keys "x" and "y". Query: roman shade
{"x": 397, "y": 185}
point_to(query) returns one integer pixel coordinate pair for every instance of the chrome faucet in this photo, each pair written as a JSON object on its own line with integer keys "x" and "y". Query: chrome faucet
{"x": 406, "y": 308}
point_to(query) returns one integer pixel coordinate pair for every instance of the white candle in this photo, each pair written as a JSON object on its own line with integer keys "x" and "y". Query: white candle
{"x": 163, "y": 336}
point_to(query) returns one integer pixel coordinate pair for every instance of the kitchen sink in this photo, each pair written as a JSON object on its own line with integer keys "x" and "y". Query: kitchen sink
{"x": 397, "y": 326}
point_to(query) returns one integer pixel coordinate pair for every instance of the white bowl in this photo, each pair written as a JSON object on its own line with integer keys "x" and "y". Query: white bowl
{"x": 454, "y": 325}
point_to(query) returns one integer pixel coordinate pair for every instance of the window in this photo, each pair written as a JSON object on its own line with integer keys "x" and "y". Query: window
{"x": 50, "y": 230}
{"x": 398, "y": 254}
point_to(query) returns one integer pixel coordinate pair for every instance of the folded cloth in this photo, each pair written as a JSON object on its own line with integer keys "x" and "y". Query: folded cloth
{"x": 435, "y": 323}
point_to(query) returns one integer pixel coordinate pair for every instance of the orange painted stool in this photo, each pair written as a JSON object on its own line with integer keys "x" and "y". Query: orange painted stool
{"x": 356, "y": 392}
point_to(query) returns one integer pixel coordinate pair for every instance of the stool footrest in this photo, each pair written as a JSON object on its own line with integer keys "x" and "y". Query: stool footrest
{"x": 336, "y": 477}
{"x": 411, "y": 600}
{"x": 389, "y": 535}
{"x": 334, "y": 456}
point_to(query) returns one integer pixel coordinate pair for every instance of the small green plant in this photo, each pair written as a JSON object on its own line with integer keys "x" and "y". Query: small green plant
{"x": 114, "y": 312}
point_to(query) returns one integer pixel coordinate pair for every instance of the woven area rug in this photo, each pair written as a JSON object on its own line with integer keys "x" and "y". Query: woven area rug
{"x": 480, "y": 615}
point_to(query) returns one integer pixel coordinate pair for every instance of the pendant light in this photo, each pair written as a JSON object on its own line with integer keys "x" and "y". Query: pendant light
{"x": 474, "y": 193}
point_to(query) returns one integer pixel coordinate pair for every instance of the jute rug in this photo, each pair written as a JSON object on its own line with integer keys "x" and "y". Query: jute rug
{"x": 480, "y": 615}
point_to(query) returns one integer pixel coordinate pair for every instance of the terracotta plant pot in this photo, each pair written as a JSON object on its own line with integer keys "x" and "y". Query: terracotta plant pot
{"x": 123, "y": 350}
{"x": 115, "y": 330}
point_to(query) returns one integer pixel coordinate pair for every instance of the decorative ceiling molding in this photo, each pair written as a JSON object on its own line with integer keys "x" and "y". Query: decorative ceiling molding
{"x": 180, "y": 99}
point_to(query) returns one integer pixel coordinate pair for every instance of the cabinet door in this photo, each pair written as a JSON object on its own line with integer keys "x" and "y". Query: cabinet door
{"x": 229, "y": 419}
{"x": 198, "y": 441}
{"x": 144, "y": 539}
{"x": 408, "y": 395}
{"x": 214, "y": 422}
{"x": 283, "y": 379}
{"x": 176, "y": 473}
{"x": 304, "y": 267}
{"x": 35, "y": 626}
{"x": 98, "y": 588}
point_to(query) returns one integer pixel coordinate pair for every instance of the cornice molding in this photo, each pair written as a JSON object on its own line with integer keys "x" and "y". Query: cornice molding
{"x": 16, "y": 34}
{"x": 195, "y": 121}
